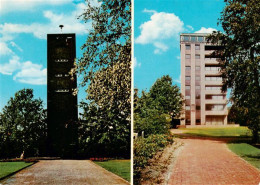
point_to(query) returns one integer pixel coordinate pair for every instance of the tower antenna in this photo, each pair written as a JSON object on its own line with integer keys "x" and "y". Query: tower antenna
{"x": 61, "y": 26}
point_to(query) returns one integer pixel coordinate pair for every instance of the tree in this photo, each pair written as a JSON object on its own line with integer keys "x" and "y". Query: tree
{"x": 152, "y": 108}
{"x": 240, "y": 21}
{"x": 23, "y": 125}
{"x": 106, "y": 68}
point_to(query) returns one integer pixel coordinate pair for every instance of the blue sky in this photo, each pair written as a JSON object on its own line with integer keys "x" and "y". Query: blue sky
{"x": 24, "y": 25}
{"x": 157, "y": 26}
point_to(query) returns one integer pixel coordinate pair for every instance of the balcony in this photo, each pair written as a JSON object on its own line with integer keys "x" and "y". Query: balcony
{"x": 214, "y": 92}
{"x": 215, "y": 101}
{"x": 213, "y": 82}
{"x": 211, "y": 61}
{"x": 216, "y": 112}
{"x": 212, "y": 72}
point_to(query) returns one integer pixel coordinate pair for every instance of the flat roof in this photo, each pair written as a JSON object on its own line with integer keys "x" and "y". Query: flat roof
{"x": 194, "y": 34}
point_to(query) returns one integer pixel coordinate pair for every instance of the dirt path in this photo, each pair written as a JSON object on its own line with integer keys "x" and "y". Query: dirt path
{"x": 56, "y": 172}
{"x": 210, "y": 162}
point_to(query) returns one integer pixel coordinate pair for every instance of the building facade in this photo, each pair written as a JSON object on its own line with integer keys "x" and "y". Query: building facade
{"x": 201, "y": 82}
{"x": 62, "y": 110}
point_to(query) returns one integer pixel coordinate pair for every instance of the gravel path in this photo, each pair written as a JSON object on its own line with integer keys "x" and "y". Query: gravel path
{"x": 65, "y": 172}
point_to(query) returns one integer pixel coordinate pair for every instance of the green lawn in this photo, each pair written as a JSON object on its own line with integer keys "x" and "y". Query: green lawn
{"x": 10, "y": 167}
{"x": 119, "y": 167}
{"x": 247, "y": 152}
{"x": 219, "y": 132}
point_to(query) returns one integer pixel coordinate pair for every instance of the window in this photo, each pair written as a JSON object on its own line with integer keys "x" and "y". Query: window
{"x": 187, "y": 87}
{"x": 197, "y": 68}
{"x": 187, "y": 78}
{"x": 197, "y": 56}
{"x": 198, "y": 107}
{"x": 213, "y": 78}
{"x": 187, "y": 68}
{"x": 187, "y": 97}
{"x": 215, "y": 107}
{"x": 193, "y": 39}
{"x": 187, "y": 121}
{"x": 200, "y": 39}
{"x": 197, "y": 47}
{"x": 197, "y": 120}
{"x": 187, "y": 107}
{"x": 197, "y": 96}
{"x": 197, "y": 87}
{"x": 197, "y": 78}
{"x": 186, "y": 38}
{"x": 187, "y": 56}
{"x": 187, "y": 46}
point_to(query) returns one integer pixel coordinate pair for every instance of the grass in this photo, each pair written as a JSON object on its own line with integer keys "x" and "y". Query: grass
{"x": 119, "y": 167}
{"x": 8, "y": 168}
{"x": 219, "y": 132}
{"x": 247, "y": 152}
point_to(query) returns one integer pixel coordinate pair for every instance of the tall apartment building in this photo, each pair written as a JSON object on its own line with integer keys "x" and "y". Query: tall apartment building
{"x": 201, "y": 82}
{"x": 62, "y": 110}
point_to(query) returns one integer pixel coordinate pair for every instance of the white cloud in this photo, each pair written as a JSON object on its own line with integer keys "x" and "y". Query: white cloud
{"x": 26, "y": 72}
{"x": 4, "y": 49}
{"x": 8, "y": 6}
{"x": 205, "y": 30}
{"x": 11, "y": 66}
{"x": 70, "y": 22}
{"x": 136, "y": 63}
{"x": 13, "y": 44}
{"x": 149, "y": 11}
{"x": 177, "y": 80}
{"x": 190, "y": 27}
{"x": 160, "y": 47}
{"x": 160, "y": 27}
{"x": 31, "y": 74}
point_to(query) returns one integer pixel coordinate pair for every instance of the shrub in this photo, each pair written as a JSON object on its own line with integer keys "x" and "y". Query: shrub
{"x": 146, "y": 148}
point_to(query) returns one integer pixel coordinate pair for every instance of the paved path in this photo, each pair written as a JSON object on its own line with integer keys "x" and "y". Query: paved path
{"x": 210, "y": 162}
{"x": 63, "y": 172}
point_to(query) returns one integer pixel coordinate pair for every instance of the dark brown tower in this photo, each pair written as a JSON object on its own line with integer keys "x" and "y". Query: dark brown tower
{"x": 62, "y": 111}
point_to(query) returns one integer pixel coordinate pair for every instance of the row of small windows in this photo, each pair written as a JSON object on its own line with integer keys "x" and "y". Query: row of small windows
{"x": 192, "y": 38}
{"x": 208, "y": 107}
{"x": 187, "y": 56}
{"x": 188, "y": 47}
{"x": 187, "y": 107}
{"x": 62, "y": 90}
{"x": 208, "y": 97}
{"x": 61, "y": 75}
{"x": 188, "y": 78}
{"x": 61, "y": 60}
{"x": 187, "y": 87}
{"x": 188, "y": 121}
{"x": 188, "y": 68}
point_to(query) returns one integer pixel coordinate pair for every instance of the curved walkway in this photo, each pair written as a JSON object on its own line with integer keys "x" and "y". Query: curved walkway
{"x": 63, "y": 172}
{"x": 210, "y": 162}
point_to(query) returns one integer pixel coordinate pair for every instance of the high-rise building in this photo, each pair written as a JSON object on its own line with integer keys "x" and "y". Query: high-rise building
{"x": 62, "y": 110}
{"x": 201, "y": 82}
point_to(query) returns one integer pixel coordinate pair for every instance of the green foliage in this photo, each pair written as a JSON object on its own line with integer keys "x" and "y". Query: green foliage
{"x": 238, "y": 115}
{"x": 240, "y": 21}
{"x": 119, "y": 167}
{"x": 146, "y": 148}
{"x": 22, "y": 125}
{"x": 152, "y": 109}
{"x": 247, "y": 152}
{"x": 11, "y": 167}
{"x": 106, "y": 68}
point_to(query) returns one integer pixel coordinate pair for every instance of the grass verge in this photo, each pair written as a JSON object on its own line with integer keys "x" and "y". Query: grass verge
{"x": 219, "y": 132}
{"x": 247, "y": 152}
{"x": 119, "y": 167}
{"x": 8, "y": 168}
